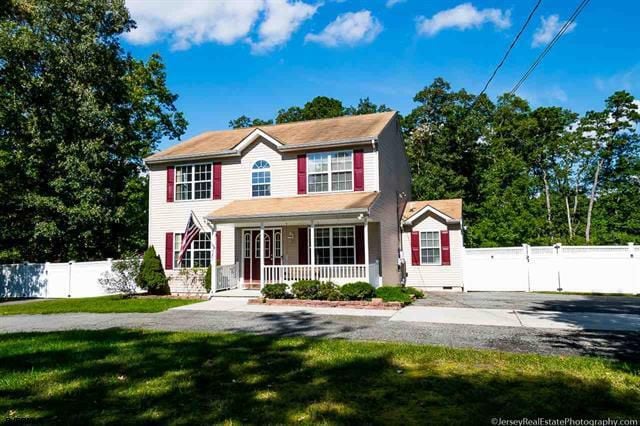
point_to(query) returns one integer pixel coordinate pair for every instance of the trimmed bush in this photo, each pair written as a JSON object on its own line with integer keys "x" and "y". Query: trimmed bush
{"x": 357, "y": 291}
{"x": 306, "y": 289}
{"x": 151, "y": 276}
{"x": 329, "y": 291}
{"x": 393, "y": 294}
{"x": 207, "y": 279}
{"x": 419, "y": 294}
{"x": 275, "y": 291}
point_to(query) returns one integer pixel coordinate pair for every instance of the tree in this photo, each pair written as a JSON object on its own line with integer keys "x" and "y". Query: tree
{"x": 445, "y": 142}
{"x": 243, "y": 121}
{"x": 318, "y": 107}
{"x": 612, "y": 135}
{"x": 365, "y": 106}
{"x": 151, "y": 276}
{"x": 549, "y": 135}
{"x": 77, "y": 116}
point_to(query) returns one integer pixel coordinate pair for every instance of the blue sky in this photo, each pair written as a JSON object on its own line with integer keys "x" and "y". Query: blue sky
{"x": 253, "y": 57}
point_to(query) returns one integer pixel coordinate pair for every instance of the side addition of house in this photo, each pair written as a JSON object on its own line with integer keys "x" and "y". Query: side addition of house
{"x": 318, "y": 199}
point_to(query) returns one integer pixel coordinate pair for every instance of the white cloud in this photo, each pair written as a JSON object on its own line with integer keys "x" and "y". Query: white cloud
{"x": 184, "y": 23}
{"x": 282, "y": 20}
{"x": 391, "y": 3}
{"x": 348, "y": 29}
{"x": 463, "y": 17}
{"x": 548, "y": 29}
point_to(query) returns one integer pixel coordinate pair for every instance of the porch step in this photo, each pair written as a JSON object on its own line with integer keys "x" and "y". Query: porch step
{"x": 251, "y": 286}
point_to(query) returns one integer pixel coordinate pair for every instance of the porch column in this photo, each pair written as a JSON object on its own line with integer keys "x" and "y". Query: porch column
{"x": 261, "y": 255}
{"x": 366, "y": 250}
{"x": 213, "y": 263}
{"x": 312, "y": 261}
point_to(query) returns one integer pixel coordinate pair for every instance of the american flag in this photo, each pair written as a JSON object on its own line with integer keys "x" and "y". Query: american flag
{"x": 189, "y": 235}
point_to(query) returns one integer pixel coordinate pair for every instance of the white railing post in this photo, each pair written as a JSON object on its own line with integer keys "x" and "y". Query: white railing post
{"x": 366, "y": 250}
{"x": 558, "y": 247}
{"x": 69, "y": 283}
{"x": 262, "y": 271}
{"x": 525, "y": 247}
{"x": 312, "y": 261}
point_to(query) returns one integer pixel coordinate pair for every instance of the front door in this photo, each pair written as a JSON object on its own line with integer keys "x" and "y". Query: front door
{"x": 251, "y": 251}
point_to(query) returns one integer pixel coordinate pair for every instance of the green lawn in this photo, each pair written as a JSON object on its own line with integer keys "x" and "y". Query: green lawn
{"x": 94, "y": 304}
{"x": 128, "y": 376}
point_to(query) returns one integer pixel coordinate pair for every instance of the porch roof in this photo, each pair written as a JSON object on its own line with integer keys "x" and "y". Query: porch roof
{"x": 299, "y": 206}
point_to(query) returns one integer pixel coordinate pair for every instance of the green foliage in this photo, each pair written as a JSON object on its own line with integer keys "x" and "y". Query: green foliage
{"x": 393, "y": 294}
{"x": 122, "y": 277}
{"x": 357, "y": 291}
{"x": 275, "y": 291}
{"x": 243, "y": 121}
{"x": 306, "y": 289}
{"x": 206, "y": 282}
{"x": 329, "y": 291}
{"x": 78, "y": 115}
{"x": 418, "y": 294}
{"x": 151, "y": 276}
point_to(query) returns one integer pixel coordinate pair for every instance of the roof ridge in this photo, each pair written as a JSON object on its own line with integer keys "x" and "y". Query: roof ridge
{"x": 321, "y": 119}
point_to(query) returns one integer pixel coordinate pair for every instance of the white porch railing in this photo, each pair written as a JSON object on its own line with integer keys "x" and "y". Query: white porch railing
{"x": 227, "y": 277}
{"x": 338, "y": 274}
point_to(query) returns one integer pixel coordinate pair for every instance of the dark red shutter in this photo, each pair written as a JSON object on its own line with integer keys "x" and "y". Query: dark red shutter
{"x": 360, "y": 244}
{"x": 217, "y": 181}
{"x": 302, "y": 174}
{"x": 415, "y": 248}
{"x": 358, "y": 170}
{"x": 303, "y": 246}
{"x": 218, "y": 249}
{"x": 168, "y": 250}
{"x": 171, "y": 176}
{"x": 444, "y": 247}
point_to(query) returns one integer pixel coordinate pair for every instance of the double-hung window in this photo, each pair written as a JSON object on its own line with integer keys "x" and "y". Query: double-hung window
{"x": 198, "y": 255}
{"x": 193, "y": 182}
{"x": 430, "y": 248}
{"x": 330, "y": 171}
{"x": 335, "y": 246}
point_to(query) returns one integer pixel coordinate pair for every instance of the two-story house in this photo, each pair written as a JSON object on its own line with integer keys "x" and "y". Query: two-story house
{"x": 319, "y": 199}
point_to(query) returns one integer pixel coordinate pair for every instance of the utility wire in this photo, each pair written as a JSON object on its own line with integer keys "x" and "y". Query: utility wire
{"x": 559, "y": 34}
{"x": 513, "y": 43}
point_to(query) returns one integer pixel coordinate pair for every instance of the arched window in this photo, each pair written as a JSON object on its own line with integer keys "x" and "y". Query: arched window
{"x": 247, "y": 245}
{"x": 277, "y": 244}
{"x": 261, "y": 179}
{"x": 267, "y": 246}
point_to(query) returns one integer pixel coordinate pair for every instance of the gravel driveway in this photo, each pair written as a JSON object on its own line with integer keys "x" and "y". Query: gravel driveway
{"x": 534, "y": 302}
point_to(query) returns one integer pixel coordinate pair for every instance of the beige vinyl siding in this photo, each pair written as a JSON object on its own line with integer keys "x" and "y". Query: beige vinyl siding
{"x": 236, "y": 185}
{"x": 394, "y": 176}
{"x": 435, "y": 276}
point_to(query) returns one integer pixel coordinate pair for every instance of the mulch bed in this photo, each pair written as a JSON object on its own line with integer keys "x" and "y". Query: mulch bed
{"x": 352, "y": 304}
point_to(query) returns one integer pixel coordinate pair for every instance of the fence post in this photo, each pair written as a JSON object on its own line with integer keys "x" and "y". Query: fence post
{"x": 69, "y": 276}
{"x": 558, "y": 254}
{"x": 525, "y": 248}
{"x": 635, "y": 280}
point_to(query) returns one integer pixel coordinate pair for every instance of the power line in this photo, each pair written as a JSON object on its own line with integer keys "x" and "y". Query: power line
{"x": 513, "y": 43}
{"x": 559, "y": 34}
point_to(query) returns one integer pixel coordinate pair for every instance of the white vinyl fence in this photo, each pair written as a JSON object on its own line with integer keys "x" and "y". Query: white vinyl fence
{"x": 53, "y": 280}
{"x": 589, "y": 269}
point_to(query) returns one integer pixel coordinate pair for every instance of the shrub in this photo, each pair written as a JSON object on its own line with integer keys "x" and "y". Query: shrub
{"x": 275, "y": 291}
{"x": 151, "y": 276}
{"x": 357, "y": 291}
{"x": 122, "y": 276}
{"x": 207, "y": 279}
{"x": 419, "y": 294}
{"x": 306, "y": 289}
{"x": 393, "y": 294}
{"x": 329, "y": 291}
